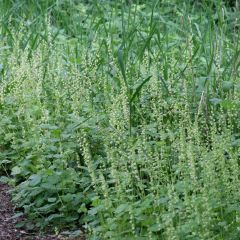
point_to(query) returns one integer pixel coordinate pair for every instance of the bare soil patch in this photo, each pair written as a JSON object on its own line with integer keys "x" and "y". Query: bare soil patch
{"x": 8, "y": 231}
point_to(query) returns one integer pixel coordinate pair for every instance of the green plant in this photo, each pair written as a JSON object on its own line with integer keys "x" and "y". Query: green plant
{"x": 122, "y": 117}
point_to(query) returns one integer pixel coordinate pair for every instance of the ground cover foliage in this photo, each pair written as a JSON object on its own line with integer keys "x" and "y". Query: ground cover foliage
{"x": 122, "y": 117}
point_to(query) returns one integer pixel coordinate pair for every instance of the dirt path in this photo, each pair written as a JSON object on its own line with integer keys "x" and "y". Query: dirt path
{"x": 8, "y": 231}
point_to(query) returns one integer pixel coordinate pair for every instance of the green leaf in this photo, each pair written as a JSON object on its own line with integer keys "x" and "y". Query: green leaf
{"x": 17, "y": 215}
{"x": 237, "y": 87}
{"x": 227, "y": 104}
{"x": 5, "y": 161}
{"x": 20, "y": 224}
{"x": 147, "y": 41}
{"x": 155, "y": 228}
{"x": 34, "y": 180}
{"x": 16, "y": 170}
{"x": 162, "y": 200}
{"x": 180, "y": 186}
{"x": 47, "y": 208}
{"x": 121, "y": 65}
{"x": 138, "y": 89}
{"x": 236, "y": 143}
{"x": 71, "y": 218}
{"x": 93, "y": 211}
{"x": 54, "y": 216}
{"x": 227, "y": 85}
{"x": 51, "y": 200}
{"x": 71, "y": 234}
{"x": 48, "y": 126}
{"x": 35, "y": 192}
{"x": 215, "y": 101}
{"x": 4, "y": 179}
{"x": 67, "y": 198}
{"x": 122, "y": 208}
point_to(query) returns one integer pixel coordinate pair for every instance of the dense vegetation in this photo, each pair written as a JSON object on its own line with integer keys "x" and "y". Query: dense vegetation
{"x": 122, "y": 116}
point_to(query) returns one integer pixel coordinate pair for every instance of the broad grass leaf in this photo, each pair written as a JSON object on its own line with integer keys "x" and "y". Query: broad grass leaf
{"x": 122, "y": 66}
{"x": 139, "y": 87}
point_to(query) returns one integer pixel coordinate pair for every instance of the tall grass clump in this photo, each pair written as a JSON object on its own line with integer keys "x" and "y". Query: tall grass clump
{"x": 122, "y": 117}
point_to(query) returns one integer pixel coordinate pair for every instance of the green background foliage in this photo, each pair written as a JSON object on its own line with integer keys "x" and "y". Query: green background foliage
{"x": 122, "y": 116}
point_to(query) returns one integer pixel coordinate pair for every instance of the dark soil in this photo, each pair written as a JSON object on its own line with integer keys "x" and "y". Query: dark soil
{"x": 8, "y": 231}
